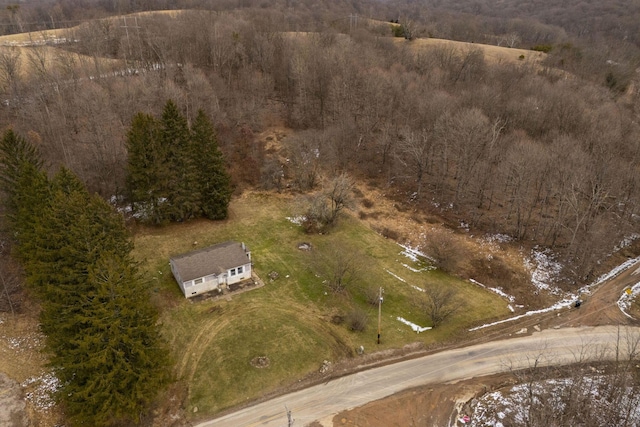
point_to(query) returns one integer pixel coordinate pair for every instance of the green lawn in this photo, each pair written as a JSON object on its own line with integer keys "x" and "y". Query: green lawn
{"x": 290, "y": 319}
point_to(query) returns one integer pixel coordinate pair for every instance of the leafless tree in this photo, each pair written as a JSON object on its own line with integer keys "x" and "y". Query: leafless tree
{"x": 439, "y": 303}
{"x": 600, "y": 387}
{"x": 304, "y": 163}
{"x": 443, "y": 249}
{"x": 325, "y": 206}
{"x": 415, "y": 151}
{"x": 339, "y": 267}
{"x": 339, "y": 192}
{"x": 10, "y": 69}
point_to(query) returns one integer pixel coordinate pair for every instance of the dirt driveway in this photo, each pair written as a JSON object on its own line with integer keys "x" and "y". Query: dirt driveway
{"x": 12, "y": 406}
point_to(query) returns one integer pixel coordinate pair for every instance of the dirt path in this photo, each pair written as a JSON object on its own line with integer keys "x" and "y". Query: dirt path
{"x": 12, "y": 406}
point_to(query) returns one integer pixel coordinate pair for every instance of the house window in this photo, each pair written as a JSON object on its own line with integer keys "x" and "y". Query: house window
{"x": 197, "y": 281}
{"x": 239, "y": 270}
{"x": 233, "y": 272}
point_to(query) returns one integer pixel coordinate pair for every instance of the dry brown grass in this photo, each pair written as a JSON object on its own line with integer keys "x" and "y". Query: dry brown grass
{"x": 66, "y": 32}
{"x": 56, "y": 61}
{"x": 493, "y": 54}
{"x": 22, "y": 359}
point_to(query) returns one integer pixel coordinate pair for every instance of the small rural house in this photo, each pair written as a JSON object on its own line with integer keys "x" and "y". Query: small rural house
{"x": 211, "y": 268}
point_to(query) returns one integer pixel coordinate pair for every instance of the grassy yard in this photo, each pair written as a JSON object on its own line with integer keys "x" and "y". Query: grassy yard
{"x": 291, "y": 320}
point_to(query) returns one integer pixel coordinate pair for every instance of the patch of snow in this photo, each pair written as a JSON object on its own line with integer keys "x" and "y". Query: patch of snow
{"x": 417, "y": 288}
{"x": 544, "y": 270}
{"x": 414, "y": 254}
{"x": 395, "y": 275}
{"x": 23, "y": 343}
{"x": 407, "y": 266}
{"x": 564, "y": 303}
{"x": 511, "y": 309}
{"x": 512, "y": 405}
{"x": 498, "y": 291}
{"x": 569, "y": 299}
{"x": 624, "y": 303}
{"x": 45, "y": 385}
{"x": 297, "y": 220}
{"x": 616, "y": 271}
{"x": 627, "y": 241}
{"x": 413, "y": 326}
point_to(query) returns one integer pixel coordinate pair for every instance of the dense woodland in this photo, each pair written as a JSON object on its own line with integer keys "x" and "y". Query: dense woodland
{"x": 547, "y": 154}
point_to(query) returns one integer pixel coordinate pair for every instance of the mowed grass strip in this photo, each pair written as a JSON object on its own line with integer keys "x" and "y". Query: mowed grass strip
{"x": 291, "y": 320}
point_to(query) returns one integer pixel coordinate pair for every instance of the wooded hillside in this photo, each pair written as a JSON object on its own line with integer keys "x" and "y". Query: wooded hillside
{"x": 547, "y": 153}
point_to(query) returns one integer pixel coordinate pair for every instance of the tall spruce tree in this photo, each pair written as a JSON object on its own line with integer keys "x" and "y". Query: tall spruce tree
{"x": 147, "y": 182}
{"x": 23, "y": 183}
{"x": 101, "y": 328}
{"x": 213, "y": 180}
{"x": 71, "y": 233}
{"x": 175, "y": 137}
{"x": 15, "y": 152}
{"x": 100, "y": 325}
{"x": 117, "y": 362}
{"x": 175, "y": 173}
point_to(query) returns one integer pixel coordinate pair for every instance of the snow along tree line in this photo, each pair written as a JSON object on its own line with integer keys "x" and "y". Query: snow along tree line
{"x": 101, "y": 329}
{"x": 175, "y": 172}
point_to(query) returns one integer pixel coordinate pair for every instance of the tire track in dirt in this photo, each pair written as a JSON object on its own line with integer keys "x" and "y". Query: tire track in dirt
{"x": 197, "y": 346}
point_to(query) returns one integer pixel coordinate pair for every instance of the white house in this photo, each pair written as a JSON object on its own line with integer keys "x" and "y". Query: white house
{"x": 211, "y": 268}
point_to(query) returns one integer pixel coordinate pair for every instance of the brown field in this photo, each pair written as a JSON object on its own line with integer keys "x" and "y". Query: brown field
{"x": 494, "y": 54}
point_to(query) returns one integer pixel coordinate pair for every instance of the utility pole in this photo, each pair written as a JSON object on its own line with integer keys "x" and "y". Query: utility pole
{"x": 379, "y": 312}
{"x": 126, "y": 29}
{"x": 290, "y": 419}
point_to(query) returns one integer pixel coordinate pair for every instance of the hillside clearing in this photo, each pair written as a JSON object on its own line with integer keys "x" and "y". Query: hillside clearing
{"x": 493, "y": 54}
{"x": 290, "y": 322}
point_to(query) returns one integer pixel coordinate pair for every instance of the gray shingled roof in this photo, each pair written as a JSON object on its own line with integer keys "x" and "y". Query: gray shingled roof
{"x": 215, "y": 259}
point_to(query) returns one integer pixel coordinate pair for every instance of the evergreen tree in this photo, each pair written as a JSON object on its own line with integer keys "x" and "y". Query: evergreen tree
{"x": 147, "y": 181}
{"x": 25, "y": 187}
{"x": 176, "y": 139}
{"x": 27, "y": 204}
{"x": 69, "y": 236}
{"x": 175, "y": 173}
{"x": 68, "y": 240}
{"x": 101, "y": 328}
{"x": 15, "y": 152}
{"x": 117, "y": 361}
{"x": 214, "y": 182}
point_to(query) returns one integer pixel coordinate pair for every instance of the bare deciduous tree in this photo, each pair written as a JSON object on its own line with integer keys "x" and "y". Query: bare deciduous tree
{"x": 443, "y": 249}
{"x": 340, "y": 195}
{"x": 340, "y": 268}
{"x": 325, "y": 206}
{"x": 439, "y": 304}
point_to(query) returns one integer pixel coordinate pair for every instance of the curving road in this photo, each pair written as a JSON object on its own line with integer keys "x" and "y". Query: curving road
{"x": 553, "y": 346}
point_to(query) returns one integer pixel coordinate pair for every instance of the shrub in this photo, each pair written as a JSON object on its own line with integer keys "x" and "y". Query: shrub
{"x": 397, "y": 30}
{"x": 546, "y": 48}
{"x": 357, "y": 319}
{"x": 371, "y": 295}
{"x": 367, "y": 203}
